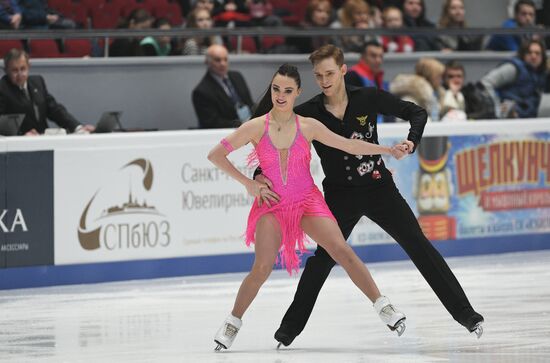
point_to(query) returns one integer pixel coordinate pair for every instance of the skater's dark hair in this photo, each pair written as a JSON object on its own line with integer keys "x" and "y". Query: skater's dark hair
{"x": 265, "y": 104}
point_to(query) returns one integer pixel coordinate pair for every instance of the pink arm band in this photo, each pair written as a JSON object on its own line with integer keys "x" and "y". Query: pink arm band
{"x": 227, "y": 145}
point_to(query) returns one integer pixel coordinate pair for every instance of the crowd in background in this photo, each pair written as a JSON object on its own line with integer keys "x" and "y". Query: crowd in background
{"x": 306, "y": 14}
{"x": 512, "y": 90}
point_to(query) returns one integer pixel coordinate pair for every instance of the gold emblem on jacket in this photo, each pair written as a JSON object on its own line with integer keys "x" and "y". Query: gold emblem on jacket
{"x": 362, "y": 120}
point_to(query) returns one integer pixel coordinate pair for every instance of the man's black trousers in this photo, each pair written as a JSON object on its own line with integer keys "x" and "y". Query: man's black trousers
{"x": 385, "y": 206}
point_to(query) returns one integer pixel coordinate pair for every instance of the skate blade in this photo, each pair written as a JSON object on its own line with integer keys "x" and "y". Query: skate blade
{"x": 279, "y": 345}
{"x": 399, "y": 327}
{"x": 219, "y": 346}
{"x": 478, "y": 330}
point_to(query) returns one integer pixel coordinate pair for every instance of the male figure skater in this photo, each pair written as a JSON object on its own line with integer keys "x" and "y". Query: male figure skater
{"x": 356, "y": 186}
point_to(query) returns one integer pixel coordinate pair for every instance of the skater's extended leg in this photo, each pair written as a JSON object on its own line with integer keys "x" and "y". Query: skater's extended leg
{"x": 268, "y": 241}
{"x": 347, "y": 212}
{"x": 393, "y": 214}
{"x": 327, "y": 234}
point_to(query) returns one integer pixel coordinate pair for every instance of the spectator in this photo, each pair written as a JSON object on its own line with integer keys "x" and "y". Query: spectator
{"x": 130, "y": 47}
{"x": 37, "y": 15}
{"x": 453, "y": 106}
{"x": 261, "y": 14}
{"x": 353, "y": 14}
{"x": 222, "y": 98}
{"x": 368, "y": 72}
{"x": 423, "y": 88}
{"x": 414, "y": 17}
{"x": 393, "y": 19}
{"x": 453, "y": 17}
{"x": 199, "y": 18}
{"x": 158, "y": 46}
{"x": 318, "y": 15}
{"x": 231, "y": 13}
{"x": 24, "y": 94}
{"x": 10, "y": 14}
{"x": 524, "y": 17}
{"x": 202, "y": 4}
{"x": 517, "y": 85}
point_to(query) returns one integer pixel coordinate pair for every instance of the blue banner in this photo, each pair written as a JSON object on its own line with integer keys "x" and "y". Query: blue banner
{"x": 26, "y": 218}
{"x": 478, "y": 185}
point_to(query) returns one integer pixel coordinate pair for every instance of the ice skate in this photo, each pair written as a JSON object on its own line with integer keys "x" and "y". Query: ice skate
{"x": 227, "y": 333}
{"x": 284, "y": 335}
{"x": 474, "y": 324}
{"x": 393, "y": 318}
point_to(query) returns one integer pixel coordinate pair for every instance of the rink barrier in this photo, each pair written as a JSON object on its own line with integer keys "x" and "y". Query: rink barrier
{"x": 94, "y": 208}
{"x": 41, "y": 276}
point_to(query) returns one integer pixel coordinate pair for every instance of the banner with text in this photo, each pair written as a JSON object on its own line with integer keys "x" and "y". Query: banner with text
{"x": 26, "y": 208}
{"x": 168, "y": 200}
{"x": 473, "y": 186}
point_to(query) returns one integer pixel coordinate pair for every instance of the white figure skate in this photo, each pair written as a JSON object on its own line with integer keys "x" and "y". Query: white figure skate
{"x": 393, "y": 318}
{"x": 227, "y": 333}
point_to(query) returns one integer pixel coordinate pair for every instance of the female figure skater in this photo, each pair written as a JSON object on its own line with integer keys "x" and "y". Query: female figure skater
{"x": 294, "y": 207}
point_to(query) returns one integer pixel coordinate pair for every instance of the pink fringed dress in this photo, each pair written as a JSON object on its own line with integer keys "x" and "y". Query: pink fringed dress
{"x": 289, "y": 171}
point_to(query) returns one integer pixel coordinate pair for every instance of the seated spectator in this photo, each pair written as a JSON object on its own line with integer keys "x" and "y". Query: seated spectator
{"x": 517, "y": 85}
{"x": 222, "y": 98}
{"x": 24, "y": 94}
{"x": 369, "y": 72}
{"x": 423, "y": 88}
{"x": 453, "y": 106}
{"x": 318, "y": 15}
{"x": 202, "y": 4}
{"x": 524, "y": 17}
{"x": 453, "y": 17}
{"x": 37, "y": 15}
{"x": 261, "y": 14}
{"x": 130, "y": 47}
{"x": 393, "y": 19}
{"x": 231, "y": 13}
{"x": 353, "y": 14}
{"x": 199, "y": 18}
{"x": 10, "y": 14}
{"x": 158, "y": 46}
{"x": 414, "y": 17}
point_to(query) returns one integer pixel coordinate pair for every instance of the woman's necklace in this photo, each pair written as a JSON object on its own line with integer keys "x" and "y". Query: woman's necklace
{"x": 279, "y": 126}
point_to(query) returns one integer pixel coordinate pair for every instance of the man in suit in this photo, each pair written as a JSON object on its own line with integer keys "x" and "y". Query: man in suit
{"x": 24, "y": 94}
{"x": 222, "y": 98}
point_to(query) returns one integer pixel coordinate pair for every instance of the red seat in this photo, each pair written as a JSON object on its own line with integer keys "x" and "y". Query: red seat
{"x": 77, "y": 48}
{"x": 44, "y": 48}
{"x": 59, "y": 5}
{"x": 9, "y": 44}
{"x": 106, "y": 16}
{"x": 248, "y": 44}
{"x": 170, "y": 11}
{"x": 295, "y": 8}
{"x": 89, "y": 5}
{"x": 78, "y": 13}
{"x": 270, "y": 41}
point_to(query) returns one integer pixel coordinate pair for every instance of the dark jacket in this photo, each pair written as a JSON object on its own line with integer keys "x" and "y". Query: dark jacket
{"x": 342, "y": 169}
{"x": 7, "y": 9}
{"x": 526, "y": 91}
{"x": 13, "y": 100}
{"x": 422, "y": 43}
{"x": 35, "y": 12}
{"x": 214, "y": 108}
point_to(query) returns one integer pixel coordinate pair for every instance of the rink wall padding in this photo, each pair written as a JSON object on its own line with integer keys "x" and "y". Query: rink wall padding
{"x": 40, "y": 276}
{"x": 93, "y": 208}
